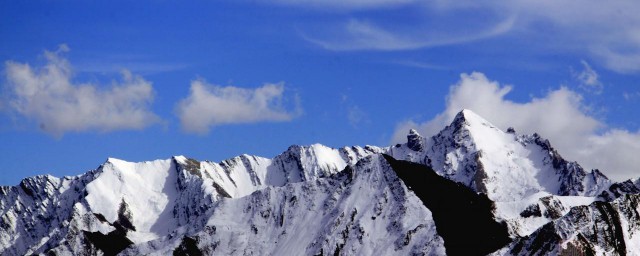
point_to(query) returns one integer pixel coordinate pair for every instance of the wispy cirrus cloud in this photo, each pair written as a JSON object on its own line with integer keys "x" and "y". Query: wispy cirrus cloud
{"x": 606, "y": 32}
{"x": 343, "y": 4}
{"x": 419, "y": 64}
{"x": 48, "y": 96}
{"x": 210, "y": 105}
{"x": 137, "y": 66}
{"x": 362, "y": 35}
{"x": 631, "y": 95}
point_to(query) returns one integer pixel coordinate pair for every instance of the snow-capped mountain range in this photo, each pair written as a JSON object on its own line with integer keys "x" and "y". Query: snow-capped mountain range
{"x": 472, "y": 189}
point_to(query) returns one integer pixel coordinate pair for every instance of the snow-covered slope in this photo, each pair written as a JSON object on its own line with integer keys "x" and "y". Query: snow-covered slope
{"x": 503, "y": 165}
{"x": 147, "y": 200}
{"x": 364, "y": 210}
{"x": 601, "y": 228}
{"x": 515, "y": 171}
{"x": 494, "y": 186}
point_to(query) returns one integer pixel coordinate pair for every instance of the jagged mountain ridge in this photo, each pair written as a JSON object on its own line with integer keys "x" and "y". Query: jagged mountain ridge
{"x": 162, "y": 195}
{"x": 164, "y": 205}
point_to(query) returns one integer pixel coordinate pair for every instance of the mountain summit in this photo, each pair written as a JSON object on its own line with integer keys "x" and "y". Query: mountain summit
{"x": 471, "y": 189}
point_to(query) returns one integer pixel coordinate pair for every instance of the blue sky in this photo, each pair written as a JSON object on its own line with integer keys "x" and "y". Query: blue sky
{"x": 142, "y": 80}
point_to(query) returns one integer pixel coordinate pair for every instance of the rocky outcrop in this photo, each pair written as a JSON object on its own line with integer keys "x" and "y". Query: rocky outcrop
{"x": 599, "y": 228}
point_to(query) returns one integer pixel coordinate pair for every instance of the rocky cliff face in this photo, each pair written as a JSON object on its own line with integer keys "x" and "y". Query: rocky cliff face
{"x": 507, "y": 193}
{"x": 601, "y": 228}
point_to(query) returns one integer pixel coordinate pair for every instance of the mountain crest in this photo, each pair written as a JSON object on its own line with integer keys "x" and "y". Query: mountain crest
{"x": 469, "y": 118}
{"x": 321, "y": 200}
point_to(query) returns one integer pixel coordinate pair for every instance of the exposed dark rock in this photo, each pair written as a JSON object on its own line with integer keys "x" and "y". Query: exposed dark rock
{"x": 100, "y": 217}
{"x": 480, "y": 175}
{"x": 463, "y": 218}
{"x": 125, "y": 218}
{"x": 221, "y": 191}
{"x": 532, "y": 210}
{"x": 584, "y": 228}
{"x": 554, "y": 207}
{"x": 110, "y": 244}
{"x": 414, "y": 141}
{"x": 613, "y": 228}
{"x": 571, "y": 173}
{"x": 620, "y": 188}
{"x": 191, "y": 166}
{"x": 541, "y": 242}
{"x": 188, "y": 247}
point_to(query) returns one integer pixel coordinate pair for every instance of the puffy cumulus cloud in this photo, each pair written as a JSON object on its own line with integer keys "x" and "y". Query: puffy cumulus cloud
{"x": 615, "y": 151}
{"x": 48, "y": 96}
{"x": 211, "y": 105}
{"x": 559, "y": 116}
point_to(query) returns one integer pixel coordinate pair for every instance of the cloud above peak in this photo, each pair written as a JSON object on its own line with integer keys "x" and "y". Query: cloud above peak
{"x": 49, "y": 97}
{"x": 210, "y": 105}
{"x": 559, "y": 116}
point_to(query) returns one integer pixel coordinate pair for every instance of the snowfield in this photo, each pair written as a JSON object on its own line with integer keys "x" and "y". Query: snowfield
{"x": 316, "y": 200}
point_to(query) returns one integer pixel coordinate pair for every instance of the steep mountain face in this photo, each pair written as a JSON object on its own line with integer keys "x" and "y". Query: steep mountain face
{"x": 471, "y": 189}
{"x": 45, "y": 213}
{"x": 363, "y": 210}
{"x": 601, "y": 228}
{"x": 515, "y": 171}
{"x": 503, "y": 165}
{"x": 455, "y": 207}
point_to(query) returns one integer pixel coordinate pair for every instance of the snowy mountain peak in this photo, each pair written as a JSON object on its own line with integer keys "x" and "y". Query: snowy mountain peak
{"x": 469, "y": 118}
{"x": 505, "y": 166}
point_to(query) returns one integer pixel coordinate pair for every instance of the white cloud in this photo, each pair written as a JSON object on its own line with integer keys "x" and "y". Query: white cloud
{"x": 47, "y": 95}
{"x": 344, "y": 4}
{"x": 559, "y": 116}
{"x": 608, "y": 32}
{"x": 419, "y": 64}
{"x": 211, "y": 105}
{"x": 361, "y": 35}
{"x": 356, "y": 116}
{"x": 605, "y": 31}
{"x": 588, "y": 79}
{"x": 625, "y": 95}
